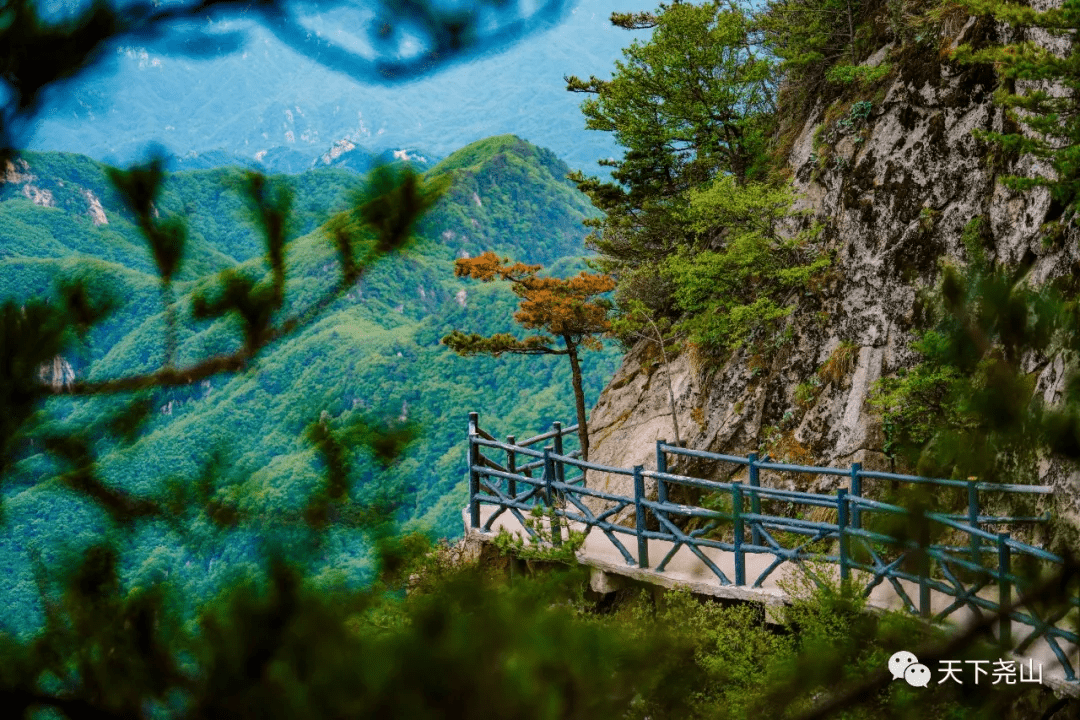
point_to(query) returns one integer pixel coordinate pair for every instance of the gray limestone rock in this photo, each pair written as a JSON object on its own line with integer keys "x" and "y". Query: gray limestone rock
{"x": 912, "y": 176}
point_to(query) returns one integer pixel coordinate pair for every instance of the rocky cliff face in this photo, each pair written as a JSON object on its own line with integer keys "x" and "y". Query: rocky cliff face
{"x": 895, "y": 180}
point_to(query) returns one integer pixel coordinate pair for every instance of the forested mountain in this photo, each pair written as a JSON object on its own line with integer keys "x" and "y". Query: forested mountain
{"x": 375, "y": 353}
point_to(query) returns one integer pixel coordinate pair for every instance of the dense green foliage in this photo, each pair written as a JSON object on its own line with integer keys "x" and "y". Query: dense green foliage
{"x": 708, "y": 659}
{"x": 374, "y": 354}
{"x": 465, "y": 642}
{"x": 735, "y": 288}
{"x": 811, "y": 38}
{"x": 745, "y": 668}
{"x": 687, "y": 104}
{"x": 692, "y": 220}
{"x": 690, "y": 104}
{"x": 917, "y": 402}
{"x": 461, "y": 645}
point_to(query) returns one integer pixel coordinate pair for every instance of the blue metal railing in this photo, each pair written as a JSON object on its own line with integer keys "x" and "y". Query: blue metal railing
{"x": 850, "y": 542}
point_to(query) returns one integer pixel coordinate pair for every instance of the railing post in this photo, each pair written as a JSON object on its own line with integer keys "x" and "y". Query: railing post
{"x": 548, "y": 476}
{"x": 557, "y": 429}
{"x": 841, "y": 531}
{"x": 736, "y": 512}
{"x": 474, "y": 477}
{"x": 549, "y": 495}
{"x": 661, "y": 467}
{"x": 924, "y": 566}
{"x": 1004, "y": 590}
{"x": 529, "y": 473}
{"x": 856, "y": 491}
{"x": 755, "y": 498}
{"x": 639, "y": 507}
{"x": 973, "y": 521}
{"x": 511, "y": 467}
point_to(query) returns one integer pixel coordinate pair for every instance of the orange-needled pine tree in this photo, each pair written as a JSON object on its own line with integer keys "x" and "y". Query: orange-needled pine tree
{"x": 571, "y": 310}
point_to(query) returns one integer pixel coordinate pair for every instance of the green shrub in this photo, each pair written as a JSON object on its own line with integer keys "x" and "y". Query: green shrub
{"x": 739, "y": 285}
{"x": 916, "y": 402}
{"x": 861, "y": 110}
{"x": 861, "y": 75}
{"x": 807, "y": 392}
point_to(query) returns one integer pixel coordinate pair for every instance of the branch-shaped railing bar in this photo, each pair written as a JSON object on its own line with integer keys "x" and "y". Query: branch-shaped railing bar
{"x": 485, "y": 473}
{"x": 864, "y": 551}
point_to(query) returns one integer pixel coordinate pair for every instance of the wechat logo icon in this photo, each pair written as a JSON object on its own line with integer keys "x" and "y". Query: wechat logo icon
{"x": 905, "y": 665}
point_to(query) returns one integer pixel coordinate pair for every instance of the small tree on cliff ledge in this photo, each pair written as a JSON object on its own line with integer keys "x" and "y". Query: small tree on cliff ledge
{"x": 570, "y": 310}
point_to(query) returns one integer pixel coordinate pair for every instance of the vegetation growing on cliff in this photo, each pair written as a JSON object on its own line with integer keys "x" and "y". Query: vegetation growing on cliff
{"x": 969, "y": 406}
{"x": 813, "y": 39}
{"x": 1040, "y": 89}
{"x": 739, "y": 281}
{"x": 692, "y": 220}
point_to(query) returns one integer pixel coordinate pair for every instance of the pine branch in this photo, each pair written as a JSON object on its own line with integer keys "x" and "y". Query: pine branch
{"x": 394, "y": 203}
{"x": 474, "y": 344}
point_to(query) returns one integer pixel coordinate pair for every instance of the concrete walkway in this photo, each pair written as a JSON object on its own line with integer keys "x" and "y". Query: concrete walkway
{"x": 686, "y": 570}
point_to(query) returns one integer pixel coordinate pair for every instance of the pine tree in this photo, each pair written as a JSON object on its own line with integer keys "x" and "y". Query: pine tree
{"x": 693, "y": 103}
{"x": 571, "y": 310}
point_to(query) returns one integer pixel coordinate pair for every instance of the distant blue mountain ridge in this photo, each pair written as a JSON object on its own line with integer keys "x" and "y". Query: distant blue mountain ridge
{"x": 290, "y": 161}
{"x": 265, "y": 105}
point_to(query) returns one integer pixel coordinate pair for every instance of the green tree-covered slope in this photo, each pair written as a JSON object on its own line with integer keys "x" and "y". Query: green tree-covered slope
{"x": 376, "y": 352}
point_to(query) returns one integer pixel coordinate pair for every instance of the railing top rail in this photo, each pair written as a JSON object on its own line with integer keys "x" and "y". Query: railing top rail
{"x": 991, "y": 486}
{"x": 503, "y": 446}
{"x": 576, "y": 462}
{"x": 810, "y": 469}
{"x": 545, "y": 436}
{"x": 676, "y": 450}
{"x": 868, "y": 474}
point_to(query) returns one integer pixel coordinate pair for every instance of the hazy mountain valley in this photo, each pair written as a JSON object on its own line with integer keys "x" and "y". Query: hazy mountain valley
{"x": 266, "y": 103}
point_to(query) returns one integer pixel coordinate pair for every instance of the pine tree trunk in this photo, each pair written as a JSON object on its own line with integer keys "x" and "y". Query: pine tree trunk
{"x": 579, "y": 395}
